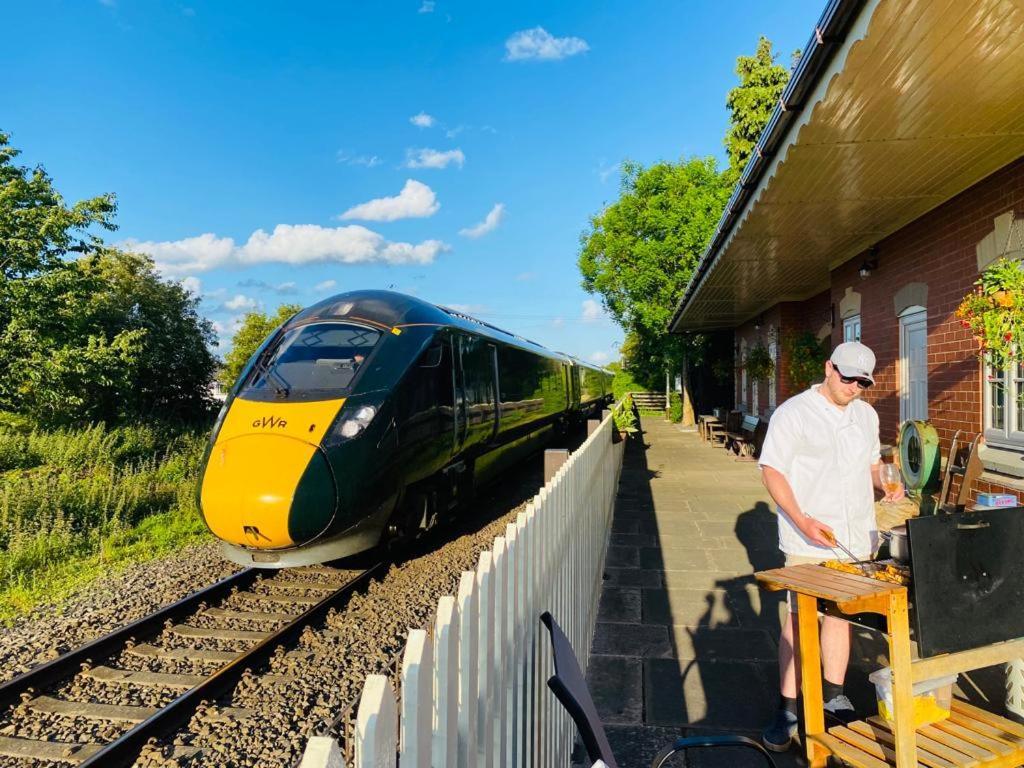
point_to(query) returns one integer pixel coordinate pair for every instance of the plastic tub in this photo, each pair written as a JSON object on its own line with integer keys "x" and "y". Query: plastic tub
{"x": 931, "y": 697}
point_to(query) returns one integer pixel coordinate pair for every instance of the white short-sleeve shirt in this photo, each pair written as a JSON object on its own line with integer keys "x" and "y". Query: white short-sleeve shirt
{"x": 826, "y": 453}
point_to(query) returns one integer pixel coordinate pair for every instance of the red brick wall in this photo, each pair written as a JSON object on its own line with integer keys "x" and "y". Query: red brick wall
{"x": 937, "y": 249}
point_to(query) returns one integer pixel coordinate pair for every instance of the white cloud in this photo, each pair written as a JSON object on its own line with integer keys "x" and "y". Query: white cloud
{"x": 538, "y": 43}
{"x": 422, "y": 120}
{"x": 192, "y": 285}
{"x": 433, "y": 158}
{"x": 489, "y": 224}
{"x": 468, "y": 309}
{"x": 370, "y": 161}
{"x": 287, "y": 244}
{"x": 600, "y": 357}
{"x": 284, "y": 289}
{"x": 558, "y": 322}
{"x": 326, "y": 285}
{"x": 427, "y": 6}
{"x": 592, "y": 311}
{"x": 240, "y": 302}
{"x": 415, "y": 201}
{"x": 524, "y": 277}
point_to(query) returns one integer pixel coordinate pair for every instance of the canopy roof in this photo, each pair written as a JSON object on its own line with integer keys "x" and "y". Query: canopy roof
{"x": 897, "y": 106}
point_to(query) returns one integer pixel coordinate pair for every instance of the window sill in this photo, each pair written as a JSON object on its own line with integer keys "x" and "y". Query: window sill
{"x": 1004, "y": 463}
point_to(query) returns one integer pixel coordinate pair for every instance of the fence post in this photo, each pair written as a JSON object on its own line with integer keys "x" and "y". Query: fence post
{"x": 446, "y": 682}
{"x": 467, "y": 670}
{"x": 417, "y": 689}
{"x": 499, "y": 649}
{"x": 511, "y": 656}
{"x": 485, "y": 661}
{"x": 376, "y": 729}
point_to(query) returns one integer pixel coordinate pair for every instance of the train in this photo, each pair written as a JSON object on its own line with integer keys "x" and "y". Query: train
{"x": 369, "y": 418}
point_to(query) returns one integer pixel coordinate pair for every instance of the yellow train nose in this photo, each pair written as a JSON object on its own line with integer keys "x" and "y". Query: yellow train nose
{"x": 253, "y": 482}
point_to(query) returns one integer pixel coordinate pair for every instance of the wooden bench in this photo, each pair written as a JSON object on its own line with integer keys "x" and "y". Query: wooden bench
{"x": 747, "y": 440}
{"x": 719, "y": 430}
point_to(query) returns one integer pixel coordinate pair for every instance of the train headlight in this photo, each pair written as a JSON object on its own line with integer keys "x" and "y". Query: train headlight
{"x": 352, "y": 421}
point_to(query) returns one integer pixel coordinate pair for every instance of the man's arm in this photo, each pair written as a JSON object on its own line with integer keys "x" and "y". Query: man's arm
{"x": 782, "y": 493}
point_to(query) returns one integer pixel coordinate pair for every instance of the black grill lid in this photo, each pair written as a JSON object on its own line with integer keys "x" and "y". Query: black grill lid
{"x": 968, "y": 578}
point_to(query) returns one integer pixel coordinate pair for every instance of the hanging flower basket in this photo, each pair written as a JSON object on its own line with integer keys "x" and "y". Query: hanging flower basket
{"x": 759, "y": 363}
{"x": 994, "y": 313}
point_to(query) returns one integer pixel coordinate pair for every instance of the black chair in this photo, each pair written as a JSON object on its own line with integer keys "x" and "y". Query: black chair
{"x": 570, "y": 687}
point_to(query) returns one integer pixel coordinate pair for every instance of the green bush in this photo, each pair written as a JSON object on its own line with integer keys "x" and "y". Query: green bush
{"x": 77, "y": 496}
{"x": 675, "y": 407}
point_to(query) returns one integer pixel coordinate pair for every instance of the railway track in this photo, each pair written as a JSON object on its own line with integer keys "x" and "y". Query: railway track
{"x": 100, "y": 704}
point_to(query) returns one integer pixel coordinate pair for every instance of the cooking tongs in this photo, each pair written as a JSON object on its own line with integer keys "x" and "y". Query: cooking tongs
{"x": 834, "y": 542}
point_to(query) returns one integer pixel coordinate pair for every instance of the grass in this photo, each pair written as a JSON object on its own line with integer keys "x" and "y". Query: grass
{"x": 78, "y": 504}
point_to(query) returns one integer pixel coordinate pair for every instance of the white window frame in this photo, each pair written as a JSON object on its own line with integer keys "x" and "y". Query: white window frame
{"x": 851, "y": 328}
{"x": 1012, "y": 433}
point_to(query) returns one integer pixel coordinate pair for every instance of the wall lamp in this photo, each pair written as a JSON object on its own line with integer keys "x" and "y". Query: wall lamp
{"x": 870, "y": 263}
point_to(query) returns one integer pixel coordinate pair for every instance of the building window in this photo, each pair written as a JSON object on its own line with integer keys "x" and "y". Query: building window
{"x": 851, "y": 328}
{"x": 1004, "y": 405}
{"x": 773, "y": 353}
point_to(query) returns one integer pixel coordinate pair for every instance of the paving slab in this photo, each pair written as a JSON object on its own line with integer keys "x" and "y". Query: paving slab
{"x": 685, "y": 640}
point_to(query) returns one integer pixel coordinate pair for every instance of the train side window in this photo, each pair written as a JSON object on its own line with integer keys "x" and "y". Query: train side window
{"x": 431, "y": 357}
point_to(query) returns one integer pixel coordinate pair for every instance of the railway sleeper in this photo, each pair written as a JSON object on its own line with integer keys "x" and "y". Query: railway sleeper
{"x": 253, "y": 616}
{"x": 301, "y": 600}
{"x": 213, "y": 633}
{"x": 144, "y": 679}
{"x": 183, "y": 654}
{"x": 91, "y": 710}
{"x": 47, "y": 751}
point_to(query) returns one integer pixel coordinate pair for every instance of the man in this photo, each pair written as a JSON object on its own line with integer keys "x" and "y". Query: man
{"x": 820, "y": 463}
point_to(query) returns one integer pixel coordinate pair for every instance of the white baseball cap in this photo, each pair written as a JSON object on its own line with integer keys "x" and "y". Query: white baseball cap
{"x": 854, "y": 360}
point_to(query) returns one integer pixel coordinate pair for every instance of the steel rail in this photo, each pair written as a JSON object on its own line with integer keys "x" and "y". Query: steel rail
{"x": 69, "y": 664}
{"x": 125, "y": 750}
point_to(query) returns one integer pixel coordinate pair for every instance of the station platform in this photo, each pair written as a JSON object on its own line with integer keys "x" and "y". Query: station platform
{"x": 685, "y": 641}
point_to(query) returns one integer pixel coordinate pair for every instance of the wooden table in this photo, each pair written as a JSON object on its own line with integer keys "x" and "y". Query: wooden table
{"x": 706, "y": 423}
{"x": 970, "y": 738}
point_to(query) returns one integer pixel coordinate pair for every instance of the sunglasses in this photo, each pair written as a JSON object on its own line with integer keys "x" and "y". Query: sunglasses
{"x": 862, "y": 383}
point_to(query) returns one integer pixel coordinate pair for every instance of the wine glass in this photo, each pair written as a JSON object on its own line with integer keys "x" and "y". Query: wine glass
{"x": 891, "y": 480}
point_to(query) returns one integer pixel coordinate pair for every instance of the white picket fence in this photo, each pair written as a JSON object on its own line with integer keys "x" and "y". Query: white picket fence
{"x": 473, "y": 691}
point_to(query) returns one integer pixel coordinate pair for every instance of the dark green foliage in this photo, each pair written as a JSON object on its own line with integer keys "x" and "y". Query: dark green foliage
{"x": 103, "y": 339}
{"x": 37, "y": 229}
{"x": 807, "y": 356}
{"x": 675, "y": 407}
{"x": 97, "y": 338}
{"x": 640, "y": 252}
{"x": 751, "y": 103}
{"x": 759, "y": 364}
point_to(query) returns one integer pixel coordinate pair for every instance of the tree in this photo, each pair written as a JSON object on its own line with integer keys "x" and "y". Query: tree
{"x": 103, "y": 338}
{"x": 256, "y": 327}
{"x": 88, "y": 333}
{"x": 751, "y": 103}
{"x": 37, "y": 229}
{"x": 640, "y": 251}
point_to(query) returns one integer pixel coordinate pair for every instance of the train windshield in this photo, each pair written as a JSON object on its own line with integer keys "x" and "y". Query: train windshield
{"x": 311, "y": 362}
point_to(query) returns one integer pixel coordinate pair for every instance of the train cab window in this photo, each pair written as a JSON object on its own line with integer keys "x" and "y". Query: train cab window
{"x": 431, "y": 357}
{"x": 318, "y": 361}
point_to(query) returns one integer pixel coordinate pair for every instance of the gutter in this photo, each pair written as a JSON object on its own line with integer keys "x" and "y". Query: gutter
{"x": 829, "y": 35}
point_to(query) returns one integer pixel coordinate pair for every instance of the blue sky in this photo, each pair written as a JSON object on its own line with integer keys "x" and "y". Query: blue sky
{"x": 268, "y": 152}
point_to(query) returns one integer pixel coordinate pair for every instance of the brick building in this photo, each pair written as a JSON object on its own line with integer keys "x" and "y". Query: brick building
{"x": 890, "y": 175}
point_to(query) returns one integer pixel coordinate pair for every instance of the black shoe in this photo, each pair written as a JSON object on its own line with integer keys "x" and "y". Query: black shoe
{"x": 779, "y": 735}
{"x": 839, "y": 710}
